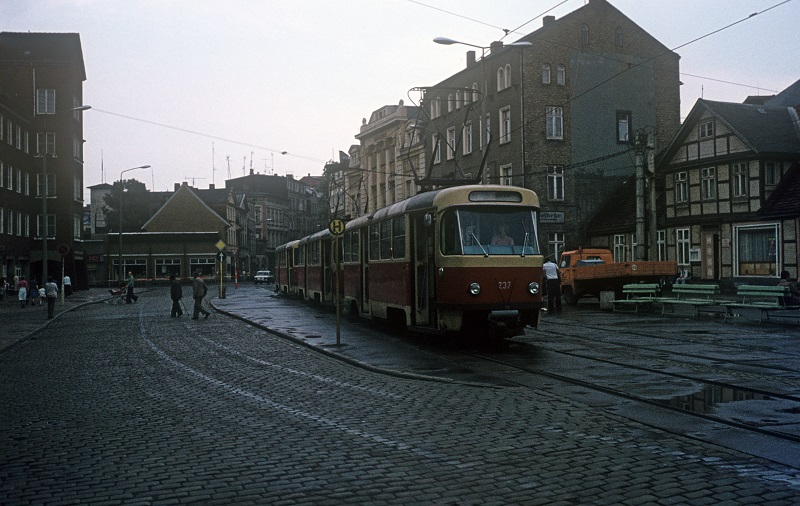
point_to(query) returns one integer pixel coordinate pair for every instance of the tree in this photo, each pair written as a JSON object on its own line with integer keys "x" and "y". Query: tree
{"x": 135, "y": 209}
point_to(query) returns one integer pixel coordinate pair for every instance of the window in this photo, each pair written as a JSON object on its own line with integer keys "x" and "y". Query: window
{"x": 398, "y": 237}
{"x": 451, "y": 143}
{"x": 458, "y": 99}
{"x": 386, "y": 239}
{"x": 584, "y": 34}
{"x": 756, "y": 250}
{"x": 682, "y": 243}
{"x": 555, "y": 244}
{"x": 555, "y": 182}
{"x": 27, "y": 184}
{"x": 618, "y": 37}
{"x": 51, "y": 226}
{"x": 1, "y": 126}
{"x": 772, "y": 173}
{"x": 166, "y": 267}
{"x": 739, "y": 179}
{"x": 2, "y": 181}
{"x": 19, "y": 180}
{"x": 561, "y": 75}
{"x": 51, "y": 185}
{"x": 10, "y": 133}
{"x": 555, "y": 124}
{"x": 508, "y": 75}
{"x": 436, "y": 108}
{"x": 620, "y": 248}
{"x": 77, "y": 194}
{"x": 437, "y": 149}
{"x": 19, "y": 137}
{"x": 474, "y": 92}
{"x": 708, "y": 183}
{"x": 450, "y": 103}
{"x": 46, "y": 143}
{"x": 706, "y": 129}
{"x": 505, "y": 125}
{"x": 2, "y": 223}
{"x": 681, "y": 187}
{"x": 76, "y": 226}
{"x": 506, "y": 175}
{"x": 503, "y": 77}
{"x": 10, "y": 178}
{"x": 624, "y": 127}
{"x": 468, "y": 138}
{"x": 546, "y": 73}
{"x": 486, "y": 134}
{"x": 45, "y": 101}
{"x": 661, "y": 244}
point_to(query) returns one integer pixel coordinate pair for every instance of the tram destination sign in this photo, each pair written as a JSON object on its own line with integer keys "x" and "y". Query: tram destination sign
{"x": 551, "y": 217}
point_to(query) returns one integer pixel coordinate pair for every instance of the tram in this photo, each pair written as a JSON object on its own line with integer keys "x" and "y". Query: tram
{"x": 464, "y": 259}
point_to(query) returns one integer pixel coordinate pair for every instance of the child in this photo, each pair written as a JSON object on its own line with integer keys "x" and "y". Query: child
{"x": 42, "y": 295}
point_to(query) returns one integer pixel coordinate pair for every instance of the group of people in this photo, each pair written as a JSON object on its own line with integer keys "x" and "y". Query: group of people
{"x": 199, "y": 291}
{"x": 29, "y": 292}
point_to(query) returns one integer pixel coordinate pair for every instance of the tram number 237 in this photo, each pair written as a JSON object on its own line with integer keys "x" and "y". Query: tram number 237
{"x": 504, "y": 285}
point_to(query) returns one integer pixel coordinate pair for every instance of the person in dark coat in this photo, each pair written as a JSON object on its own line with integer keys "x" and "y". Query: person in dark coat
{"x": 199, "y": 291}
{"x": 176, "y": 293}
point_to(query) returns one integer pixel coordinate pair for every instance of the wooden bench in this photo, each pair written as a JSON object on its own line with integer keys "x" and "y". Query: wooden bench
{"x": 637, "y": 294}
{"x": 701, "y": 297}
{"x": 765, "y": 299}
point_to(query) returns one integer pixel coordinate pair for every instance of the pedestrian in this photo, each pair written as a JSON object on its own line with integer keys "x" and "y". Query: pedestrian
{"x": 176, "y": 293}
{"x": 22, "y": 292}
{"x": 683, "y": 276}
{"x": 129, "y": 283}
{"x": 553, "y": 278}
{"x": 33, "y": 291}
{"x": 51, "y": 292}
{"x": 199, "y": 291}
{"x": 67, "y": 286}
{"x": 42, "y": 295}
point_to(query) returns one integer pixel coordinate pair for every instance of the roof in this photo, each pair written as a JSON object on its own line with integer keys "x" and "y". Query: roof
{"x": 42, "y": 48}
{"x": 785, "y": 200}
{"x": 790, "y": 97}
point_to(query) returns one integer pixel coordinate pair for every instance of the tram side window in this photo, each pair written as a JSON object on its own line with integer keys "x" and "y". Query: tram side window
{"x": 398, "y": 237}
{"x": 450, "y": 238}
{"x": 386, "y": 239}
{"x": 374, "y": 242}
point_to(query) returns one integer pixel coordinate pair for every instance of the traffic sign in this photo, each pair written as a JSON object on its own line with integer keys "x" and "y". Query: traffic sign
{"x": 221, "y": 256}
{"x": 220, "y": 245}
{"x": 336, "y": 227}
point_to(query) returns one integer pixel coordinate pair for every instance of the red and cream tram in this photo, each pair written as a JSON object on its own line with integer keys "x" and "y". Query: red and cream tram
{"x": 461, "y": 259}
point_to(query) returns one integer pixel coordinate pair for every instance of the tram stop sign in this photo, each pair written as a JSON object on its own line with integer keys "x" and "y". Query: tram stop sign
{"x": 336, "y": 227}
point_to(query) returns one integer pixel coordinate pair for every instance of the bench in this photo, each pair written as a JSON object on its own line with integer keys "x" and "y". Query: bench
{"x": 637, "y": 294}
{"x": 700, "y": 297}
{"x": 765, "y": 299}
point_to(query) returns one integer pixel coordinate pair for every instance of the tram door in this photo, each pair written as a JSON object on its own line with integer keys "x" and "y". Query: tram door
{"x": 422, "y": 247}
{"x": 364, "y": 240}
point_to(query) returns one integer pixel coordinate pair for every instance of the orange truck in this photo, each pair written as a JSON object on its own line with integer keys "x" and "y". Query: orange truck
{"x": 586, "y": 272}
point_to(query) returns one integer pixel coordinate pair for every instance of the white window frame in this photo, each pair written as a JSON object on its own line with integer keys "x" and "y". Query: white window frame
{"x": 437, "y": 149}
{"x": 708, "y": 183}
{"x": 51, "y": 226}
{"x": 506, "y": 175}
{"x": 620, "y": 248}
{"x": 45, "y": 101}
{"x": 681, "y": 187}
{"x": 683, "y": 245}
{"x": 705, "y": 129}
{"x": 467, "y": 147}
{"x": 661, "y": 244}
{"x": 555, "y": 182}
{"x": 561, "y": 75}
{"x": 546, "y": 73}
{"x": 451, "y": 143}
{"x": 505, "y": 125}
{"x": 740, "y": 179}
{"x": 773, "y": 255}
{"x": 555, "y": 122}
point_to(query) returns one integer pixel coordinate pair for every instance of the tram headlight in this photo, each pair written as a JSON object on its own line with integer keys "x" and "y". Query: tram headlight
{"x": 474, "y": 288}
{"x": 533, "y": 287}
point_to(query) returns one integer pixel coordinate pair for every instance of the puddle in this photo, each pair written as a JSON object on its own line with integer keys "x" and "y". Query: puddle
{"x": 710, "y": 397}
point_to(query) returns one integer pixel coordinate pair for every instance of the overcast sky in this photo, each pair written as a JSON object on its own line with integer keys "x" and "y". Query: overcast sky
{"x": 198, "y": 88}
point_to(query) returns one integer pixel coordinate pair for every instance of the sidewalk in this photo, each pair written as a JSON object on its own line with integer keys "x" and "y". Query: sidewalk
{"x": 17, "y": 323}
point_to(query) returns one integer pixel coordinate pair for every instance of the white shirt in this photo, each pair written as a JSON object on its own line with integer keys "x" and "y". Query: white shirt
{"x": 550, "y": 270}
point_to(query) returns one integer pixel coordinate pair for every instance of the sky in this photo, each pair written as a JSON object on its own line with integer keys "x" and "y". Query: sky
{"x": 201, "y": 90}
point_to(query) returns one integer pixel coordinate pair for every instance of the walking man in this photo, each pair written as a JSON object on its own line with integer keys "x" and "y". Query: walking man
{"x": 130, "y": 294}
{"x": 553, "y": 285}
{"x": 176, "y": 293}
{"x": 199, "y": 291}
{"x": 51, "y": 292}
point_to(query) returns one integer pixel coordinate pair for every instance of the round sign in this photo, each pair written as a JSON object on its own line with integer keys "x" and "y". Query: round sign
{"x": 63, "y": 249}
{"x": 336, "y": 227}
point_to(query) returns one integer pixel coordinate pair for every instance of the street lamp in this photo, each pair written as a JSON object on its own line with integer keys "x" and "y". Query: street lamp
{"x": 119, "y": 210}
{"x": 44, "y": 192}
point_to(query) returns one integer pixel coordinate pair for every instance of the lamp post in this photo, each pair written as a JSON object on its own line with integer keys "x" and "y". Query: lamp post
{"x": 45, "y": 193}
{"x": 119, "y": 210}
{"x": 484, "y": 132}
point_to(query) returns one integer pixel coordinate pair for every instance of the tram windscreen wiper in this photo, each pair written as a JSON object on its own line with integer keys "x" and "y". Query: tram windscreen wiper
{"x": 485, "y": 253}
{"x": 524, "y": 245}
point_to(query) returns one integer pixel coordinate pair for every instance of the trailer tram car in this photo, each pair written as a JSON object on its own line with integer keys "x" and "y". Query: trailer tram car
{"x": 464, "y": 260}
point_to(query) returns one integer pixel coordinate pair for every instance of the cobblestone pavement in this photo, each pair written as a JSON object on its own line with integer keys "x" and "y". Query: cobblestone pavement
{"x": 125, "y": 405}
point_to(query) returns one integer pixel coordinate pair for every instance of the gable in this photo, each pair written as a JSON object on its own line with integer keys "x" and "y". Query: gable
{"x": 184, "y": 212}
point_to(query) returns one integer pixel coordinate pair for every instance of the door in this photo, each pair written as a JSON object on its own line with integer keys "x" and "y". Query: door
{"x": 710, "y": 260}
{"x": 422, "y": 241}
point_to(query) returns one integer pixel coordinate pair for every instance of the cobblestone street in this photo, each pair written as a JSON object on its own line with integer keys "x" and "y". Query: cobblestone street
{"x": 123, "y": 404}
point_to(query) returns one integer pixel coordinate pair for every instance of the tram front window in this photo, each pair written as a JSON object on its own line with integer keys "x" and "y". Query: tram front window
{"x": 489, "y": 231}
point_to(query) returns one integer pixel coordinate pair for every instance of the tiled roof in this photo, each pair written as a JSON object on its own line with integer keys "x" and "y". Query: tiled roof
{"x": 765, "y": 128}
{"x": 785, "y": 200}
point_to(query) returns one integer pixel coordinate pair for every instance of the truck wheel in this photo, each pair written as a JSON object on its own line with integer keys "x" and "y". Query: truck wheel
{"x": 569, "y": 296}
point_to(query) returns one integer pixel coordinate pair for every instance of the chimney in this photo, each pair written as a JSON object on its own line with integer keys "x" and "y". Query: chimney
{"x": 470, "y": 58}
{"x": 211, "y": 186}
{"x": 251, "y": 171}
{"x": 547, "y": 20}
{"x": 177, "y": 185}
{"x": 496, "y": 46}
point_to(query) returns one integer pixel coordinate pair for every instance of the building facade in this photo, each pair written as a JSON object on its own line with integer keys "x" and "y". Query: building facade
{"x": 41, "y": 155}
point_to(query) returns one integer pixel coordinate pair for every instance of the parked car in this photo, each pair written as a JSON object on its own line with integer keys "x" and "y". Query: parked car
{"x": 264, "y": 277}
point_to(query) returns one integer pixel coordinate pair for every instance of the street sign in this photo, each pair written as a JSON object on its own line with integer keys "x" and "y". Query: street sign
{"x": 336, "y": 227}
{"x": 221, "y": 256}
{"x": 220, "y": 245}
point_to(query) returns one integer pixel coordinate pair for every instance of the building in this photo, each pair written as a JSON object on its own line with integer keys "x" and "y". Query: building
{"x": 41, "y": 154}
{"x": 729, "y": 174}
{"x": 558, "y": 116}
